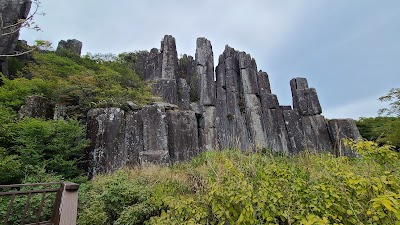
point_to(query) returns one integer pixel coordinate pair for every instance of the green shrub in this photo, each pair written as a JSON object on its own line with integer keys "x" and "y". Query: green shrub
{"x": 14, "y": 92}
{"x": 56, "y": 145}
{"x": 11, "y": 168}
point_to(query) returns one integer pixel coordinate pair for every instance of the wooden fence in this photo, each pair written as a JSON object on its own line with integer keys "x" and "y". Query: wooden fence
{"x": 42, "y": 203}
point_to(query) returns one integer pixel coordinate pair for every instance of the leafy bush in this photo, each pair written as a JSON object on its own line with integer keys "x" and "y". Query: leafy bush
{"x": 231, "y": 187}
{"x": 55, "y": 144}
{"x": 11, "y": 169}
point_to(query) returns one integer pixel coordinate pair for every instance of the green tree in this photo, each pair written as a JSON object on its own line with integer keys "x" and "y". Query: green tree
{"x": 384, "y": 130}
{"x": 393, "y": 96}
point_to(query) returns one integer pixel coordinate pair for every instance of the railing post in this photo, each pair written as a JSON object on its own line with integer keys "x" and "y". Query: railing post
{"x": 67, "y": 212}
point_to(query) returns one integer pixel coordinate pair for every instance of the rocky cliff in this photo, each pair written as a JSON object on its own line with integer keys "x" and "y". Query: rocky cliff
{"x": 203, "y": 108}
{"x": 11, "y": 12}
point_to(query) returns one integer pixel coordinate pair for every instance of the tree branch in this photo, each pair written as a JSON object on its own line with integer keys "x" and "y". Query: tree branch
{"x": 21, "y": 53}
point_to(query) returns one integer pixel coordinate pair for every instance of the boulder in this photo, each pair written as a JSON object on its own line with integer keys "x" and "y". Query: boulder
{"x": 37, "y": 107}
{"x": 71, "y": 45}
{"x": 298, "y": 83}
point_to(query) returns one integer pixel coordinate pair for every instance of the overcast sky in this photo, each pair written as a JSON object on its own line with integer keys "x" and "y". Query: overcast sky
{"x": 349, "y": 50}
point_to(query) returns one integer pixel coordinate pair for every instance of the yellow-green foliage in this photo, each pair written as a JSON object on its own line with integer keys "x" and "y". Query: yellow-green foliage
{"x": 231, "y": 187}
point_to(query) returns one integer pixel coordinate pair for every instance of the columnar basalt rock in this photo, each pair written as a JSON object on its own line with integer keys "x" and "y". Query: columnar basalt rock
{"x": 315, "y": 129}
{"x": 169, "y": 56}
{"x": 182, "y": 135}
{"x": 155, "y": 134}
{"x": 204, "y": 61}
{"x": 343, "y": 129}
{"x": 183, "y": 94}
{"x": 233, "y": 109}
{"x": 106, "y": 130}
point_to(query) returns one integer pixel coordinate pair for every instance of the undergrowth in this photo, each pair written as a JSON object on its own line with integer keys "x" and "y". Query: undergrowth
{"x": 231, "y": 187}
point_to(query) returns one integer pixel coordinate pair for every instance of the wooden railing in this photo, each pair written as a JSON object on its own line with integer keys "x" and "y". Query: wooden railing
{"x": 43, "y": 203}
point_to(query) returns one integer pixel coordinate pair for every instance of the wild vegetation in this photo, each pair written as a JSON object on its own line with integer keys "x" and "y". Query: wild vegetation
{"x": 64, "y": 79}
{"x": 231, "y": 187}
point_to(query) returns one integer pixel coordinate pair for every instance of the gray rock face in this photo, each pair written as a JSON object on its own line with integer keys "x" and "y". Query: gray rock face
{"x": 182, "y": 135}
{"x": 207, "y": 136}
{"x": 166, "y": 89}
{"x": 248, "y": 74}
{"x": 343, "y": 129}
{"x": 10, "y": 12}
{"x": 106, "y": 130}
{"x": 298, "y": 83}
{"x": 263, "y": 82}
{"x": 306, "y": 102}
{"x": 71, "y": 45}
{"x": 36, "y": 107}
{"x": 147, "y": 64}
{"x": 294, "y": 130}
{"x": 187, "y": 71}
{"x": 237, "y": 110}
{"x": 183, "y": 94}
{"x": 155, "y": 138}
{"x": 204, "y": 60}
{"x": 169, "y": 63}
{"x": 316, "y": 134}
{"x": 156, "y": 134}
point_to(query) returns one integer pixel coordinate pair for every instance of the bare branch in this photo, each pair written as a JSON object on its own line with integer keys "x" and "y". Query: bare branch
{"x": 21, "y": 23}
{"x": 21, "y": 53}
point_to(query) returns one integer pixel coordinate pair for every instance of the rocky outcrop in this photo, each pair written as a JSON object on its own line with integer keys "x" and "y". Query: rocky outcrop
{"x": 229, "y": 107}
{"x": 155, "y": 134}
{"x": 37, "y": 107}
{"x": 73, "y": 46}
{"x": 11, "y": 13}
